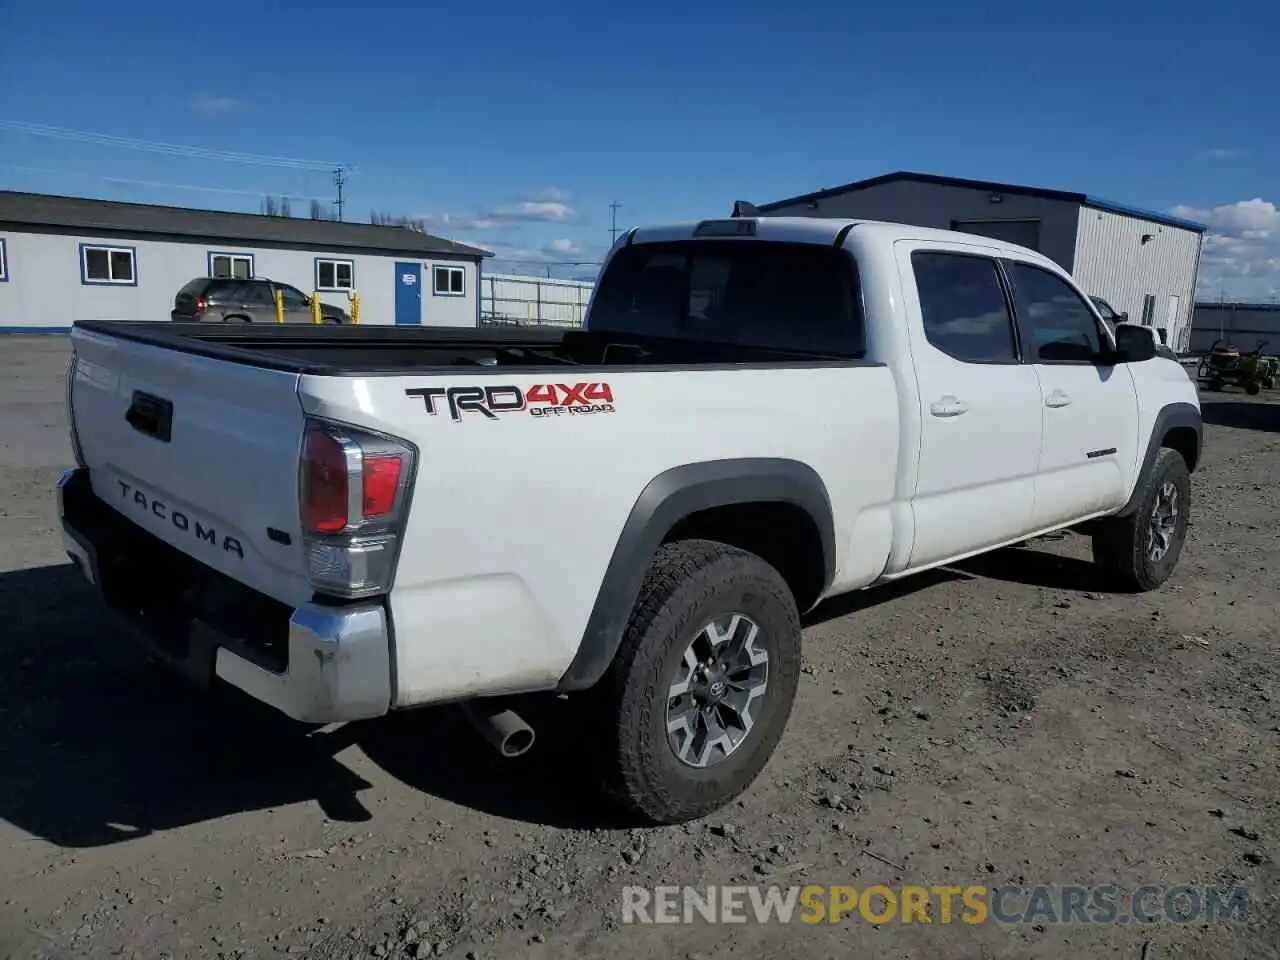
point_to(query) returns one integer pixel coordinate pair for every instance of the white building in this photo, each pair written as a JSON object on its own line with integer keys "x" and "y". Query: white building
{"x": 1142, "y": 263}
{"x": 64, "y": 259}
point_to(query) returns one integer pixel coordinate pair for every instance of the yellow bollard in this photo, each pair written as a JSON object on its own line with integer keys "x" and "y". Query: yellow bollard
{"x": 355, "y": 307}
{"x": 315, "y": 307}
{"x": 279, "y": 305}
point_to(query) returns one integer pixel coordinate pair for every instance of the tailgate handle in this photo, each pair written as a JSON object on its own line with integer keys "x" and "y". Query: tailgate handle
{"x": 151, "y": 415}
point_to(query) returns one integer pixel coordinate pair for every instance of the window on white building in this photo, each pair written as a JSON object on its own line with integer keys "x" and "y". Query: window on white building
{"x": 235, "y": 266}
{"x": 448, "y": 281}
{"x": 335, "y": 274}
{"x": 111, "y": 265}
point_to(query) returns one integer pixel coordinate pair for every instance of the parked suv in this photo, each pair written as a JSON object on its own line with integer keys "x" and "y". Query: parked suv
{"x": 230, "y": 300}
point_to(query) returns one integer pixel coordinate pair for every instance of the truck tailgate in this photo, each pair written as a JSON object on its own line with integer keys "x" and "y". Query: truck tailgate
{"x": 201, "y": 452}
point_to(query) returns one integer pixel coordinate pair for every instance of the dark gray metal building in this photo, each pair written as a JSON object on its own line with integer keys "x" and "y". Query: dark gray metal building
{"x": 1142, "y": 263}
{"x": 1243, "y": 325}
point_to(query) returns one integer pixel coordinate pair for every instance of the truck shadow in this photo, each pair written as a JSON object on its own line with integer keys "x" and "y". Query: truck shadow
{"x": 99, "y": 746}
{"x": 1036, "y": 568}
{"x": 1242, "y": 414}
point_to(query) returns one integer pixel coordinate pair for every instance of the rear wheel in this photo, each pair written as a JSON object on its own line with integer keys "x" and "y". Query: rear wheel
{"x": 700, "y": 690}
{"x": 1139, "y": 552}
{"x": 1252, "y": 388}
{"x": 1216, "y": 383}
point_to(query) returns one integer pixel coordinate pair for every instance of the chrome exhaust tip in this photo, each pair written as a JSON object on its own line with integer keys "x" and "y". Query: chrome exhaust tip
{"x": 500, "y": 726}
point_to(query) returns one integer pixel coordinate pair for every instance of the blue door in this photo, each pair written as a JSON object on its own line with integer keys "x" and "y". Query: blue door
{"x": 408, "y": 293}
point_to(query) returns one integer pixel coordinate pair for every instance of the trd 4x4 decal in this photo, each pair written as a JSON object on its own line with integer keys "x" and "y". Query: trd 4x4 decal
{"x": 540, "y": 400}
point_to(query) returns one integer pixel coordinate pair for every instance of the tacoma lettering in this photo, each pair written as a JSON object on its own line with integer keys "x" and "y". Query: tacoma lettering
{"x": 180, "y": 521}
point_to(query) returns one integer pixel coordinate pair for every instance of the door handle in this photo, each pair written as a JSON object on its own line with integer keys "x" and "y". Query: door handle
{"x": 948, "y": 406}
{"x": 1057, "y": 399}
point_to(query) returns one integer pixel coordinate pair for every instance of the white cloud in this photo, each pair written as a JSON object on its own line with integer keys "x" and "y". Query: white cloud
{"x": 564, "y": 247}
{"x": 209, "y": 105}
{"x": 546, "y": 211}
{"x": 1223, "y": 153}
{"x": 1255, "y": 216}
{"x": 1240, "y": 258}
{"x": 456, "y": 221}
{"x": 549, "y": 205}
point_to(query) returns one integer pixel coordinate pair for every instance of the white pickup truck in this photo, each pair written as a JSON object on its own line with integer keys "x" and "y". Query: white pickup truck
{"x": 759, "y": 413}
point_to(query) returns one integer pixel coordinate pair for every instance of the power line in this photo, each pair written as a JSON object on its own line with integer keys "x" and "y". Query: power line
{"x": 553, "y": 263}
{"x": 156, "y": 183}
{"x": 170, "y": 149}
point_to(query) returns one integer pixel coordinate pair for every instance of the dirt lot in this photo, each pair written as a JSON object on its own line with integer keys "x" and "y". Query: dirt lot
{"x": 1000, "y": 723}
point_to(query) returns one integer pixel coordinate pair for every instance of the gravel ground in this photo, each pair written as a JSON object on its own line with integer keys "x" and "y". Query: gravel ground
{"x": 1005, "y": 722}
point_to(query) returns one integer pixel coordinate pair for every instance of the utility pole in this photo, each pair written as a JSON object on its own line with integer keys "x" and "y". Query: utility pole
{"x": 339, "y": 181}
{"x": 613, "y": 230}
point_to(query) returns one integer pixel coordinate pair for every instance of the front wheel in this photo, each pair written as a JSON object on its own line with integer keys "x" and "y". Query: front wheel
{"x": 1140, "y": 551}
{"x": 1252, "y": 388}
{"x": 701, "y": 688}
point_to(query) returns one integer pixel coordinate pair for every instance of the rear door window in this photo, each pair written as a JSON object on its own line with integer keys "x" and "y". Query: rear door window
{"x": 796, "y": 297}
{"x": 963, "y": 305}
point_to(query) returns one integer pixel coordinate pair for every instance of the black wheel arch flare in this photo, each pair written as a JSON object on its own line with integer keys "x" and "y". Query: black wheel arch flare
{"x": 667, "y": 499}
{"x": 1186, "y": 420}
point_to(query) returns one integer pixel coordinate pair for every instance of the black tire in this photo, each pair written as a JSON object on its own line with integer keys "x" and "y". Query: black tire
{"x": 236, "y": 318}
{"x": 691, "y": 584}
{"x": 334, "y": 320}
{"x": 1216, "y": 384}
{"x": 1252, "y": 388}
{"x": 1121, "y": 544}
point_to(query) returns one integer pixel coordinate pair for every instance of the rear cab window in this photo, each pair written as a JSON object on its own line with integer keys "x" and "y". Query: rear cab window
{"x": 794, "y": 297}
{"x": 964, "y": 307}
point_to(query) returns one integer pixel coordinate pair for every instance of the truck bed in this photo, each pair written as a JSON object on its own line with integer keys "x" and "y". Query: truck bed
{"x": 359, "y": 351}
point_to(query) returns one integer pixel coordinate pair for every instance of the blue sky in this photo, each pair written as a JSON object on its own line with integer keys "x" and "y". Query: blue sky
{"x": 515, "y": 125}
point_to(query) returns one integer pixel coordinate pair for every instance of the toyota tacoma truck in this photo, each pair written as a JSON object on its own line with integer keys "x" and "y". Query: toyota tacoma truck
{"x": 758, "y": 414}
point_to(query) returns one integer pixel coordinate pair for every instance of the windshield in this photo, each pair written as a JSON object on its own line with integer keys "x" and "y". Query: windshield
{"x": 786, "y": 296}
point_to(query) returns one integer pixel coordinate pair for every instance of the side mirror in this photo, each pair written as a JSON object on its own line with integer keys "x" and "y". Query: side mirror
{"x": 1134, "y": 344}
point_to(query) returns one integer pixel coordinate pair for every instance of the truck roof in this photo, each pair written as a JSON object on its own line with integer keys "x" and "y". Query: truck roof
{"x": 822, "y": 230}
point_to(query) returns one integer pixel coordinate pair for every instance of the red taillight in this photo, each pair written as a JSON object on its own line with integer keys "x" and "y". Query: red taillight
{"x": 202, "y": 305}
{"x": 324, "y": 483}
{"x": 354, "y": 494}
{"x": 381, "y": 482}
